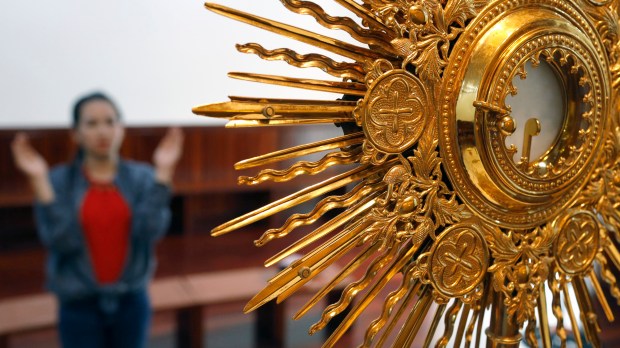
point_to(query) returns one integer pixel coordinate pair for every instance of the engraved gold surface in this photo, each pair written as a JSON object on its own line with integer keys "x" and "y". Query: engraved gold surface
{"x": 439, "y": 198}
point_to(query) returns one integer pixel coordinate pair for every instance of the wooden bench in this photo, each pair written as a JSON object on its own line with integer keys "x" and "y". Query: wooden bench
{"x": 186, "y": 295}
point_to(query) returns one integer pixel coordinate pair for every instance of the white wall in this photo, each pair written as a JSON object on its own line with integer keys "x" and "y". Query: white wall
{"x": 157, "y": 58}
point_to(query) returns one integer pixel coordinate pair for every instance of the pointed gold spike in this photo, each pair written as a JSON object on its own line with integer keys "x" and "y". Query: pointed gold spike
{"x": 302, "y": 150}
{"x": 296, "y": 198}
{"x": 431, "y": 332}
{"x": 236, "y": 123}
{"x": 325, "y": 229}
{"x": 601, "y": 296}
{"x": 588, "y": 317}
{"x": 571, "y": 314}
{"x": 342, "y": 48}
{"x": 395, "y": 268}
{"x": 613, "y": 254}
{"x": 306, "y": 268}
{"x": 345, "y": 272}
{"x": 449, "y": 320}
{"x": 543, "y": 317}
{"x": 339, "y": 87}
{"x": 462, "y": 323}
{"x": 410, "y": 330}
{"x": 260, "y": 108}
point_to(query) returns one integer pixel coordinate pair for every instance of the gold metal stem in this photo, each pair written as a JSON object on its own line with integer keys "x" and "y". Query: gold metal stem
{"x": 502, "y": 333}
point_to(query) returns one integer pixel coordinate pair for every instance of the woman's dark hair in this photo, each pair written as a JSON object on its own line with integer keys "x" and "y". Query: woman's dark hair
{"x": 77, "y": 107}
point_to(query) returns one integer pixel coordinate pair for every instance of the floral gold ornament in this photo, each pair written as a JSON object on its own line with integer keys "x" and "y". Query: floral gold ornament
{"x": 481, "y": 205}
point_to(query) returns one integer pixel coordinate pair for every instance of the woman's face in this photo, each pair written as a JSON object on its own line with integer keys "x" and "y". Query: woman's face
{"x": 99, "y": 131}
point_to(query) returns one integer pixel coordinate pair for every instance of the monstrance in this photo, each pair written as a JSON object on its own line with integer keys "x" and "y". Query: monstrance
{"x": 484, "y": 141}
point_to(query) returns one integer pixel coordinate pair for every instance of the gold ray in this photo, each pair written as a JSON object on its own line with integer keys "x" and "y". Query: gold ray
{"x": 530, "y": 333}
{"x": 613, "y": 254}
{"x": 325, "y": 229}
{"x": 351, "y": 88}
{"x": 434, "y": 324}
{"x": 408, "y": 284}
{"x": 368, "y": 16}
{"x": 264, "y": 108}
{"x": 306, "y": 268}
{"x": 353, "y": 71}
{"x": 601, "y": 295}
{"x": 281, "y": 122}
{"x": 367, "y": 36}
{"x": 556, "y": 305}
{"x": 411, "y": 294}
{"x": 404, "y": 255}
{"x": 328, "y": 203}
{"x": 484, "y": 302}
{"x": 571, "y": 314}
{"x": 462, "y": 323}
{"x": 353, "y": 289}
{"x": 609, "y": 277}
{"x": 449, "y": 320}
{"x": 414, "y": 320}
{"x": 302, "y": 150}
{"x": 543, "y": 317}
{"x": 296, "y": 198}
{"x": 342, "y": 48}
{"x": 472, "y": 324}
{"x": 321, "y": 208}
{"x": 588, "y": 317}
{"x": 302, "y": 167}
{"x": 345, "y": 272}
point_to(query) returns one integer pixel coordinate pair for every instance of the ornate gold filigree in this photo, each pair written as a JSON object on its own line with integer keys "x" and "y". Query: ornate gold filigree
{"x": 439, "y": 198}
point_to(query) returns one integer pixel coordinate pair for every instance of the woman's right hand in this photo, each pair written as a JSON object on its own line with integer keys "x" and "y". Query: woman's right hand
{"x": 31, "y": 163}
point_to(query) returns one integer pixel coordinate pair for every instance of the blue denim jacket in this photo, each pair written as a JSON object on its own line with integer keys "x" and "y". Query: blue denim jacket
{"x": 69, "y": 271}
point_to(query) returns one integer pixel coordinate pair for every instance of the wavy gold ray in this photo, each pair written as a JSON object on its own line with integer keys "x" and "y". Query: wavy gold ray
{"x": 342, "y": 48}
{"x": 613, "y": 254}
{"x": 354, "y": 211}
{"x": 328, "y": 203}
{"x": 264, "y": 108}
{"x": 449, "y": 321}
{"x": 408, "y": 284}
{"x": 352, "y": 88}
{"x": 296, "y": 198}
{"x": 472, "y": 324}
{"x": 306, "y": 268}
{"x": 368, "y": 36}
{"x": 556, "y": 305}
{"x": 352, "y": 71}
{"x": 405, "y": 304}
{"x": 609, "y": 277}
{"x": 414, "y": 320}
{"x": 302, "y": 167}
{"x": 401, "y": 259}
{"x": 345, "y": 272}
{"x": 530, "y": 333}
{"x": 302, "y": 150}
{"x": 363, "y": 13}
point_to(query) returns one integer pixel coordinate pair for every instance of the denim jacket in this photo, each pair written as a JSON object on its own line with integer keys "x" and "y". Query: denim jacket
{"x": 69, "y": 271}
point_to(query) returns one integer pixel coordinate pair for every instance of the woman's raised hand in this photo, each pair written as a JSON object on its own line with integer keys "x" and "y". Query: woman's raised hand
{"x": 167, "y": 154}
{"x": 31, "y": 163}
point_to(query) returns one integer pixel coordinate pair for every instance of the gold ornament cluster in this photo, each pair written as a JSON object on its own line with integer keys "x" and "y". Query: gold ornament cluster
{"x": 439, "y": 197}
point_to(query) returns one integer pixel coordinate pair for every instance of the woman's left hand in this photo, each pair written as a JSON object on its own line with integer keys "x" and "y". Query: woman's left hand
{"x": 167, "y": 154}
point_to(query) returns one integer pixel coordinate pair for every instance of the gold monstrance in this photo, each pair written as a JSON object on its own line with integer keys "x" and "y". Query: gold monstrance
{"x": 477, "y": 202}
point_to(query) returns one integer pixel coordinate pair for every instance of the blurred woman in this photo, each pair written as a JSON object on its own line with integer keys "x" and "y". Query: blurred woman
{"x": 99, "y": 217}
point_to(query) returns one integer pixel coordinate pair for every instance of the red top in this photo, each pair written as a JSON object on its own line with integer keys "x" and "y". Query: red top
{"x": 106, "y": 220}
